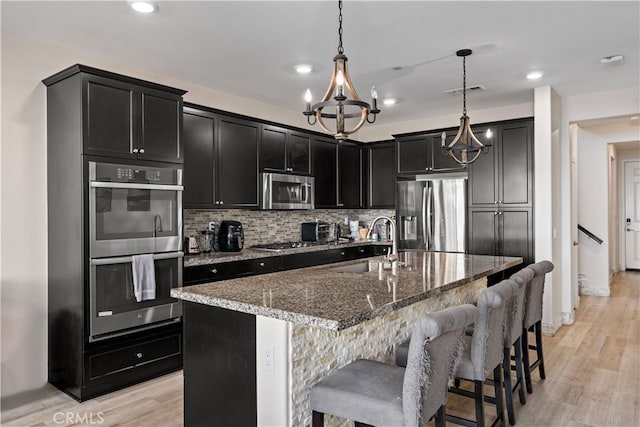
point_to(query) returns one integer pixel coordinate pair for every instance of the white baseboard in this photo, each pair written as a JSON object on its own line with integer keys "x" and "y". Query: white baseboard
{"x": 569, "y": 318}
{"x": 598, "y": 292}
{"x": 550, "y": 329}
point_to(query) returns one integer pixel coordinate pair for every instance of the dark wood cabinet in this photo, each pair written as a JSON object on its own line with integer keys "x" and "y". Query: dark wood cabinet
{"x": 237, "y": 163}
{"x": 422, "y": 153}
{"x": 131, "y": 121}
{"x": 324, "y": 155}
{"x": 504, "y": 177}
{"x": 506, "y": 232}
{"x": 221, "y": 160}
{"x": 350, "y": 176}
{"x": 283, "y": 150}
{"x": 381, "y": 175}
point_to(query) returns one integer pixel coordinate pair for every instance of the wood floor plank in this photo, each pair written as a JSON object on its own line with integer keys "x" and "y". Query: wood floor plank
{"x": 593, "y": 379}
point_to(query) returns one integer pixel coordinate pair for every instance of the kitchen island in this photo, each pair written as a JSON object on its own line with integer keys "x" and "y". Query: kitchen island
{"x": 254, "y": 346}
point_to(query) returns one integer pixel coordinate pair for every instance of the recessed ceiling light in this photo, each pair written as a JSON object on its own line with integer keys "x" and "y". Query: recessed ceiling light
{"x": 303, "y": 68}
{"x": 143, "y": 6}
{"x": 534, "y": 75}
{"x": 389, "y": 101}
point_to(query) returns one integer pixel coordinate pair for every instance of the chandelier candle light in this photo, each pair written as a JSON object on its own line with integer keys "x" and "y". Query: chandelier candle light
{"x": 465, "y": 147}
{"x": 337, "y": 95}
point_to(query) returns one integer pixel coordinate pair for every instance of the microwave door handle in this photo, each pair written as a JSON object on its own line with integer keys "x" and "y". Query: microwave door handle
{"x": 136, "y": 186}
{"x": 305, "y": 193}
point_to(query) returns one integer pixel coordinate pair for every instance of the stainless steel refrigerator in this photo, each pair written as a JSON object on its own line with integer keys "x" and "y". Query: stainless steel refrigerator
{"x": 432, "y": 213}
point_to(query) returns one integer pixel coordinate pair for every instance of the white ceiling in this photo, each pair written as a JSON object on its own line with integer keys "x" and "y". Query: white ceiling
{"x": 250, "y": 48}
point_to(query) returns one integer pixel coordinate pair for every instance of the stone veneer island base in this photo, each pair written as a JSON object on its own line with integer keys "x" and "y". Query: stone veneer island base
{"x": 253, "y": 347}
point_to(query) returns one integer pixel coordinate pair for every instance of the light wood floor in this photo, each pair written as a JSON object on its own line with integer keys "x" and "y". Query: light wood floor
{"x": 593, "y": 379}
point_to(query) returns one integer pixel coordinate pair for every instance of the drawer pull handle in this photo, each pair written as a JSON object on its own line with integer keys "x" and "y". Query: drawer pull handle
{"x": 361, "y": 250}
{"x": 214, "y": 270}
{"x": 262, "y": 264}
{"x": 342, "y": 253}
{"x": 139, "y": 355}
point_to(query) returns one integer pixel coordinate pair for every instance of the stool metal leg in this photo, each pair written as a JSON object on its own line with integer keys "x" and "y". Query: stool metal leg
{"x": 479, "y": 400}
{"x": 317, "y": 419}
{"x": 497, "y": 387}
{"x": 506, "y": 368}
{"x": 519, "y": 383}
{"x": 525, "y": 360}
{"x": 538, "y": 328}
{"x": 440, "y": 418}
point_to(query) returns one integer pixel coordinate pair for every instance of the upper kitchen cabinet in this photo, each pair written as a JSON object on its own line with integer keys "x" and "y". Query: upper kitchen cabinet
{"x": 350, "y": 176}
{"x": 285, "y": 151}
{"x": 421, "y": 153}
{"x": 324, "y": 155}
{"x": 504, "y": 176}
{"x": 221, "y": 160}
{"x": 119, "y": 116}
{"x": 381, "y": 174}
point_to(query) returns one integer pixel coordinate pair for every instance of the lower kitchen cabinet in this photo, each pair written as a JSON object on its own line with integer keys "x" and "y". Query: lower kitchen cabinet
{"x": 194, "y": 275}
{"x": 505, "y": 232}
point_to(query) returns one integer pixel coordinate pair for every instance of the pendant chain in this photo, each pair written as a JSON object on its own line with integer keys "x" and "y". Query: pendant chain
{"x": 340, "y": 49}
{"x": 464, "y": 86}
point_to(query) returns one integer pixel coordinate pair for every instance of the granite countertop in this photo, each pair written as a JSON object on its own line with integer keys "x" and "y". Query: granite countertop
{"x": 248, "y": 253}
{"x": 338, "y": 296}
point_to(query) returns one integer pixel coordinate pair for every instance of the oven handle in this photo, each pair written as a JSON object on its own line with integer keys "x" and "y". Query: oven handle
{"x": 137, "y": 186}
{"x": 122, "y": 260}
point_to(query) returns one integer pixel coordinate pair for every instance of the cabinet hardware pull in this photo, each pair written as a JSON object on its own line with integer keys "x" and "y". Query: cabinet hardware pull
{"x": 221, "y": 202}
{"x": 214, "y": 270}
{"x": 142, "y": 151}
{"x": 495, "y": 213}
{"x": 342, "y": 253}
{"x": 135, "y": 151}
{"x": 139, "y": 355}
{"x": 262, "y": 264}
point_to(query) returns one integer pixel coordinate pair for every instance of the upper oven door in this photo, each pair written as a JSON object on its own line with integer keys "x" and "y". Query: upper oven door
{"x": 134, "y": 210}
{"x": 281, "y": 191}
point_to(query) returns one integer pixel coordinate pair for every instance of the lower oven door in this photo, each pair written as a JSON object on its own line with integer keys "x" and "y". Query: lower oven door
{"x": 114, "y": 307}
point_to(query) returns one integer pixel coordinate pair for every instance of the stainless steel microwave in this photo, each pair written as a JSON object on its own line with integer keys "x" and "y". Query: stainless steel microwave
{"x": 282, "y": 191}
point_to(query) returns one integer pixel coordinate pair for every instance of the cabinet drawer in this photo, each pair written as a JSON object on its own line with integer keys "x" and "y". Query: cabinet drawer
{"x": 114, "y": 361}
{"x": 251, "y": 267}
{"x": 209, "y": 273}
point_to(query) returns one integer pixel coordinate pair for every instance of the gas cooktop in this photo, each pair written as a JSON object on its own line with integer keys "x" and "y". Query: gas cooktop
{"x": 277, "y": 247}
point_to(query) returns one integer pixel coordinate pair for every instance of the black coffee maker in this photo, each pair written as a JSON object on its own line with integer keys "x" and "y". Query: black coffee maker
{"x": 230, "y": 236}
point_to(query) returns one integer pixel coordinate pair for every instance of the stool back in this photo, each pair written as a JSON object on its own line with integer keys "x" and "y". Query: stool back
{"x": 488, "y": 331}
{"x": 436, "y": 347}
{"x": 535, "y": 293}
{"x": 516, "y": 309}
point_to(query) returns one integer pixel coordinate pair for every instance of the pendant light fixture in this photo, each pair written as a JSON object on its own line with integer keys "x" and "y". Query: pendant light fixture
{"x": 465, "y": 147}
{"x": 342, "y": 96}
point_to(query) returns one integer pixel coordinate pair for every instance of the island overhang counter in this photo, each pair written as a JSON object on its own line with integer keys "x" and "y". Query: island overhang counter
{"x": 254, "y": 346}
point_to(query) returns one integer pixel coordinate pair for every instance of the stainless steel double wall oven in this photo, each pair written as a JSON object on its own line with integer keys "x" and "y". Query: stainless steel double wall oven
{"x": 133, "y": 210}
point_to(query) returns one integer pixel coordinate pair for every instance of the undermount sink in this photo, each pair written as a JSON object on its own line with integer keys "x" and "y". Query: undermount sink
{"x": 361, "y": 267}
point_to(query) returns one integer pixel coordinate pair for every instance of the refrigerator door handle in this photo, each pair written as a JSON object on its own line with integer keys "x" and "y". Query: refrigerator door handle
{"x": 426, "y": 216}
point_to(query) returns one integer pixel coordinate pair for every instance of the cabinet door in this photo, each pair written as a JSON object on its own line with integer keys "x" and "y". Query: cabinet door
{"x": 414, "y": 154}
{"x": 442, "y": 161}
{"x": 237, "y": 163}
{"x": 273, "y": 149}
{"x": 198, "y": 176}
{"x": 161, "y": 126}
{"x": 382, "y": 176}
{"x": 110, "y": 118}
{"x": 298, "y": 150}
{"x": 516, "y": 173}
{"x": 483, "y": 173}
{"x": 483, "y": 233}
{"x": 325, "y": 163}
{"x": 350, "y": 176}
{"x": 516, "y": 233}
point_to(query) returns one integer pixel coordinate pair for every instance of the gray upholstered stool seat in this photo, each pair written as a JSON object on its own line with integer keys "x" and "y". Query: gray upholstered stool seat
{"x": 533, "y": 321}
{"x": 362, "y": 387}
{"x": 380, "y": 394}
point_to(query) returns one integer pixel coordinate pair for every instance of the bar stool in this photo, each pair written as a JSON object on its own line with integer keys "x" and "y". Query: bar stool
{"x": 533, "y": 321}
{"x": 484, "y": 352}
{"x": 512, "y": 339}
{"x": 371, "y": 392}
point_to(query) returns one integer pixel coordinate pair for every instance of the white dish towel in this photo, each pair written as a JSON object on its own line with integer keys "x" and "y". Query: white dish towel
{"x": 144, "y": 277}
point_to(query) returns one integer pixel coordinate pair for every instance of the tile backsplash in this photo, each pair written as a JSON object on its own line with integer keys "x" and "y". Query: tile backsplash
{"x": 262, "y": 227}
